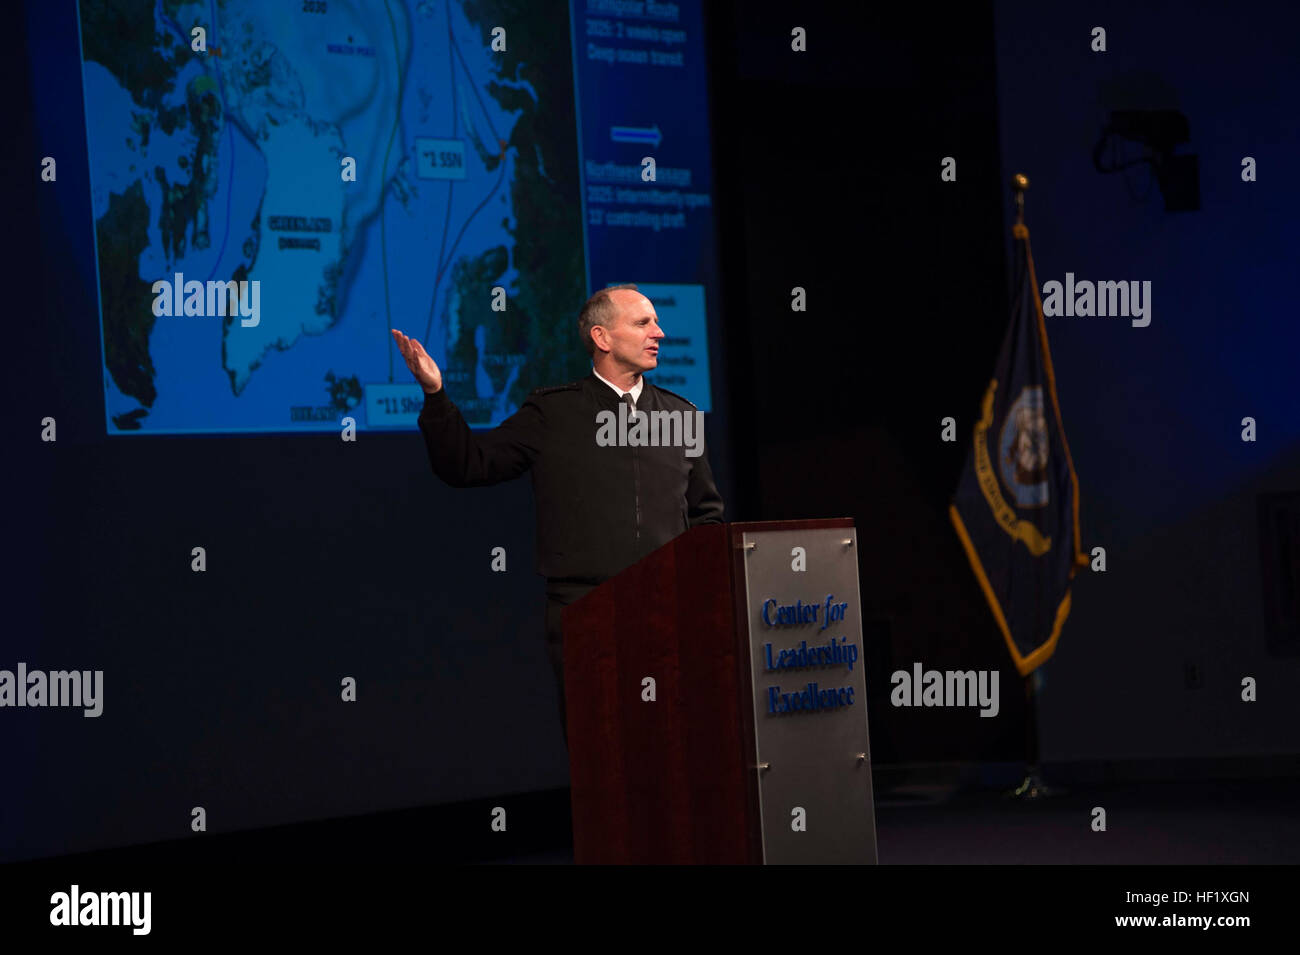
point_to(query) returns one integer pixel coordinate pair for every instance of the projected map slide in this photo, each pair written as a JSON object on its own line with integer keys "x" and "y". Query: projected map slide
{"x": 276, "y": 185}
{"x": 263, "y": 144}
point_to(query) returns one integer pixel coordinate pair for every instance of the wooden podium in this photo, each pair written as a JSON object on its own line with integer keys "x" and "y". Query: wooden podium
{"x": 676, "y": 779}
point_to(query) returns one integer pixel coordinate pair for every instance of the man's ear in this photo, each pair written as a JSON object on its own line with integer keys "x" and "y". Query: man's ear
{"x": 600, "y": 335}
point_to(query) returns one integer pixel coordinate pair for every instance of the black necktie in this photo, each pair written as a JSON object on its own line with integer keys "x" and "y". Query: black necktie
{"x": 627, "y": 400}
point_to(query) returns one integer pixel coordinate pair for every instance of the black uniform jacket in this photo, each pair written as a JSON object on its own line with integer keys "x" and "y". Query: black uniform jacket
{"x": 599, "y": 509}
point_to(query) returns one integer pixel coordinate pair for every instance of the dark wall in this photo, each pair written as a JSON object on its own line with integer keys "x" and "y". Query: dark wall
{"x": 907, "y": 305}
{"x": 835, "y": 158}
{"x": 1152, "y": 660}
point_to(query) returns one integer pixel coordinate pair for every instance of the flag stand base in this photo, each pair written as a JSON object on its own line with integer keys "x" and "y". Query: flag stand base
{"x": 1033, "y": 787}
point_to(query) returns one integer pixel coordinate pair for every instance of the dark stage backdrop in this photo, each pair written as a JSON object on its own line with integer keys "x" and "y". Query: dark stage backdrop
{"x": 325, "y": 559}
{"x": 1202, "y": 529}
{"x": 907, "y": 302}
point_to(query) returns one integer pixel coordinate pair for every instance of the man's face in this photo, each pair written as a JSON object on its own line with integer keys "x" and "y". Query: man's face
{"x": 633, "y": 336}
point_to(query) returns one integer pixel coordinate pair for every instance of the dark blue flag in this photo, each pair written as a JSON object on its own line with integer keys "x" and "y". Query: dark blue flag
{"x": 1016, "y": 509}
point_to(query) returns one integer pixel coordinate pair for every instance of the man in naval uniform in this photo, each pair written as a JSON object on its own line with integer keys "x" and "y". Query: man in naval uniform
{"x": 599, "y": 508}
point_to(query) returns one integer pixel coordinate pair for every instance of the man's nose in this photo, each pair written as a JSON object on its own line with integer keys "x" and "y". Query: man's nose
{"x": 657, "y": 332}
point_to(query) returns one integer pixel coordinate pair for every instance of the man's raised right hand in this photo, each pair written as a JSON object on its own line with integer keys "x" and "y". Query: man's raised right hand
{"x": 424, "y": 368}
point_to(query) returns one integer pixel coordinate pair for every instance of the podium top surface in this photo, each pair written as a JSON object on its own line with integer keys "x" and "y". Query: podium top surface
{"x": 799, "y": 525}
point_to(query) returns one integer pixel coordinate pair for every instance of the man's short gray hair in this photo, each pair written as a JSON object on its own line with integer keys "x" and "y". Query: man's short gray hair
{"x": 599, "y": 310}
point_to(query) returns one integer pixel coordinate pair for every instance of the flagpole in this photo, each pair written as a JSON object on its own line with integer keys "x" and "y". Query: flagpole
{"x": 1033, "y": 786}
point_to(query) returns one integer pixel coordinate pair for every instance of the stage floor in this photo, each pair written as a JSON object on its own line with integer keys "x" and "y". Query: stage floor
{"x": 1185, "y": 823}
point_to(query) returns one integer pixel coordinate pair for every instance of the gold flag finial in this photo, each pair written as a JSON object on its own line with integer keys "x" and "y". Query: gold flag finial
{"x": 1020, "y": 182}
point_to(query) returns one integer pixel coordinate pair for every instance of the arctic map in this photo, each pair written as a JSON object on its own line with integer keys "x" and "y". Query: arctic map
{"x": 276, "y": 185}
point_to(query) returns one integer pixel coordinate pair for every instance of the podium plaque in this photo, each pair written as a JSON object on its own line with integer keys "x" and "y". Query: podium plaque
{"x": 811, "y": 744}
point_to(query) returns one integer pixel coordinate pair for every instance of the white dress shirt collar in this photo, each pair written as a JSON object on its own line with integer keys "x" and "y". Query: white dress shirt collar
{"x": 635, "y": 391}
